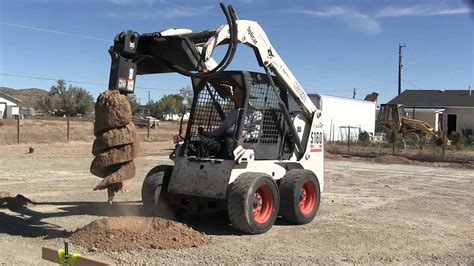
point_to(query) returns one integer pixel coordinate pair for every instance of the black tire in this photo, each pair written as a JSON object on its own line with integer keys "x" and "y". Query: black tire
{"x": 299, "y": 205}
{"x": 246, "y": 194}
{"x": 154, "y": 189}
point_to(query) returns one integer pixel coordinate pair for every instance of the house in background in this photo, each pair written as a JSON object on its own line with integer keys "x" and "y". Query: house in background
{"x": 342, "y": 117}
{"x": 9, "y": 106}
{"x": 453, "y": 110}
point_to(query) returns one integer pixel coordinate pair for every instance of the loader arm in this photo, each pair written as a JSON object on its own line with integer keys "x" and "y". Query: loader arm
{"x": 252, "y": 34}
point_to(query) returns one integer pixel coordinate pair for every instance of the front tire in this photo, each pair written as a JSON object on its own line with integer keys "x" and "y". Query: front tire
{"x": 300, "y": 196}
{"x": 154, "y": 190}
{"x": 253, "y": 203}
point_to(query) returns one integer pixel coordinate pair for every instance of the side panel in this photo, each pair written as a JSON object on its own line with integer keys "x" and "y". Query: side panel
{"x": 313, "y": 158}
{"x": 208, "y": 178}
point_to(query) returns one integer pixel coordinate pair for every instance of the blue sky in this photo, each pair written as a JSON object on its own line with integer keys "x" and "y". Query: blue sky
{"x": 331, "y": 46}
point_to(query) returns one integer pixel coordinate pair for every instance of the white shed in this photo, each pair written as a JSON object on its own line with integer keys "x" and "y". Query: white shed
{"x": 343, "y": 117}
{"x": 8, "y": 106}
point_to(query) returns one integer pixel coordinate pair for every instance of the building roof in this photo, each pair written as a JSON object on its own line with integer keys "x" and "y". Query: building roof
{"x": 434, "y": 98}
{"x": 9, "y": 98}
{"x": 293, "y": 106}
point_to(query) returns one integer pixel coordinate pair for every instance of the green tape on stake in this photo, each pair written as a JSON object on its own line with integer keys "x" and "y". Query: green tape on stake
{"x": 69, "y": 259}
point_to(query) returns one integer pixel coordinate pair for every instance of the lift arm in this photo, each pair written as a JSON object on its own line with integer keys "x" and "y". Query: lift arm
{"x": 251, "y": 34}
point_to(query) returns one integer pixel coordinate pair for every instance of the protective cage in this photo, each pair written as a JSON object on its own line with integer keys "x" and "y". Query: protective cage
{"x": 260, "y": 124}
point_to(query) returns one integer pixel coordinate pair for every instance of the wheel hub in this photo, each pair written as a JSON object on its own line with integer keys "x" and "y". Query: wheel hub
{"x": 307, "y": 197}
{"x": 262, "y": 204}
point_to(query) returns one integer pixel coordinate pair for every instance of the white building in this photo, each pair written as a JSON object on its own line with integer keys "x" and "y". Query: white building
{"x": 452, "y": 109}
{"x": 175, "y": 117}
{"x": 343, "y": 117}
{"x": 9, "y": 106}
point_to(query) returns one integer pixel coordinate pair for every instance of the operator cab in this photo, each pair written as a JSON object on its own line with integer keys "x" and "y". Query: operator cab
{"x": 260, "y": 125}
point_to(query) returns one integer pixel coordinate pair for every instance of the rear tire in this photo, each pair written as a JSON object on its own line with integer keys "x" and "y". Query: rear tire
{"x": 253, "y": 203}
{"x": 155, "y": 190}
{"x": 300, "y": 196}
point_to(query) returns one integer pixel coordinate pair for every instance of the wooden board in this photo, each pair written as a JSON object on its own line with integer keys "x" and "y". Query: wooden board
{"x": 51, "y": 254}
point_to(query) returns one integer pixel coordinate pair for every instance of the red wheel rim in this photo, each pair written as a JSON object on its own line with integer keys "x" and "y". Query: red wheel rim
{"x": 262, "y": 204}
{"x": 307, "y": 197}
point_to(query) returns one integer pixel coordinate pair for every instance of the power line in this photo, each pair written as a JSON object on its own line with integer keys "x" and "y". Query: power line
{"x": 414, "y": 85}
{"x": 55, "y": 31}
{"x": 79, "y": 82}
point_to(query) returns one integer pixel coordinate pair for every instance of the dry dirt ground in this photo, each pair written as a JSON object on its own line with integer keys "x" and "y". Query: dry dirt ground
{"x": 370, "y": 213}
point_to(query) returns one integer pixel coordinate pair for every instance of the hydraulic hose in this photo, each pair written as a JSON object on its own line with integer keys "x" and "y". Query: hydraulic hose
{"x": 228, "y": 57}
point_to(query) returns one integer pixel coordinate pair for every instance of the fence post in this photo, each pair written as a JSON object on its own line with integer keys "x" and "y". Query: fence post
{"x": 148, "y": 129}
{"x": 349, "y": 139}
{"x": 18, "y": 129}
{"x": 67, "y": 130}
{"x": 393, "y": 143}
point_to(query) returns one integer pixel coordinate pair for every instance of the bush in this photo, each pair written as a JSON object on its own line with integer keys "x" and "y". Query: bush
{"x": 364, "y": 136}
{"x": 469, "y": 140}
{"x": 457, "y": 139}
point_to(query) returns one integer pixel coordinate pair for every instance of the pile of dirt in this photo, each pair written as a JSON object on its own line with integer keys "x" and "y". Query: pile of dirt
{"x": 8, "y": 201}
{"x": 393, "y": 159}
{"x": 331, "y": 156}
{"x": 116, "y": 143}
{"x": 136, "y": 233}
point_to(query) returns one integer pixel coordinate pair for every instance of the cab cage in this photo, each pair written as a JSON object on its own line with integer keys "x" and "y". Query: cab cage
{"x": 260, "y": 126}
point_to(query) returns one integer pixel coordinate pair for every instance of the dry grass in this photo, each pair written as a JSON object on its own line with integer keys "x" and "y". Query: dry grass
{"x": 450, "y": 152}
{"x": 50, "y": 131}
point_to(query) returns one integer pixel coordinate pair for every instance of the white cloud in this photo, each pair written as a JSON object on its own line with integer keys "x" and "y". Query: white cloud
{"x": 369, "y": 23}
{"x": 421, "y": 10}
{"x": 352, "y": 18}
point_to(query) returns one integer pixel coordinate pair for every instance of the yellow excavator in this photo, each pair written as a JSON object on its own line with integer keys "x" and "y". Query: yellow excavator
{"x": 392, "y": 117}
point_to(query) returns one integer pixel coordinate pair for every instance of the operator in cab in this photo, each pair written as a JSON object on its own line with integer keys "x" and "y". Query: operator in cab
{"x": 212, "y": 142}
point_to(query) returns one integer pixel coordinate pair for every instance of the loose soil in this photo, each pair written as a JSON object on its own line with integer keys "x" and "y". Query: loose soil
{"x": 136, "y": 233}
{"x": 370, "y": 213}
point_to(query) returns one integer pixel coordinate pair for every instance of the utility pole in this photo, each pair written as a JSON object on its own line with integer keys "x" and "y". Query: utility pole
{"x": 400, "y": 65}
{"x": 149, "y": 98}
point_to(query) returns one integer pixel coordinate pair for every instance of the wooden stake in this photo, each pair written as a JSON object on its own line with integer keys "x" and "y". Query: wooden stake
{"x": 18, "y": 129}
{"x": 51, "y": 254}
{"x": 67, "y": 133}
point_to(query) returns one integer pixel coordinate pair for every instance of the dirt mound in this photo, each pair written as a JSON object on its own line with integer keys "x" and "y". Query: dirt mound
{"x": 12, "y": 203}
{"x": 331, "y": 156}
{"x": 393, "y": 159}
{"x": 135, "y": 233}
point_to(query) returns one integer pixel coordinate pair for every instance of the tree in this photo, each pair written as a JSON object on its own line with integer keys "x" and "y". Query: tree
{"x": 132, "y": 99}
{"x": 45, "y": 105}
{"x": 187, "y": 93}
{"x": 168, "y": 104}
{"x": 70, "y": 101}
{"x": 84, "y": 102}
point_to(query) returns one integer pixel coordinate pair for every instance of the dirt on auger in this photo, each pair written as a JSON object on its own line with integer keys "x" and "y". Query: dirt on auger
{"x": 116, "y": 143}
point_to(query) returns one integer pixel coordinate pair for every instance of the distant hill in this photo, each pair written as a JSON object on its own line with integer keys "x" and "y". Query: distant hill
{"x": 29, "y": 97}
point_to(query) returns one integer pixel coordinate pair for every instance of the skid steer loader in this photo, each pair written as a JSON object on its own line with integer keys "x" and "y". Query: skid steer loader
{"x": 267, "y": 163}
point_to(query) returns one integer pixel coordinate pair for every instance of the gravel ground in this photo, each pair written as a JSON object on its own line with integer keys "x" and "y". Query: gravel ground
{"x": 370, "y": 213}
